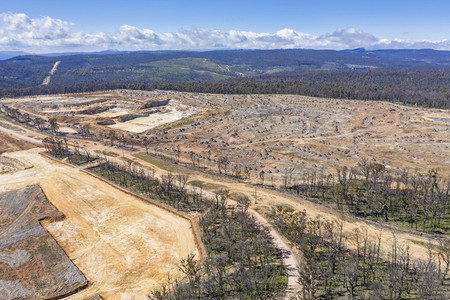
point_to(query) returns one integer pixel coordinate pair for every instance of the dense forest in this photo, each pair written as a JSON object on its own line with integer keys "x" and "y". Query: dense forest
{"x": 425, "y": 87}
{"x": 412, "y": 77}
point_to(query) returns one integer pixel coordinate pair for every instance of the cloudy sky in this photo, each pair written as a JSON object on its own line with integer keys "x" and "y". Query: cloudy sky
{"x": 40, "y": 26}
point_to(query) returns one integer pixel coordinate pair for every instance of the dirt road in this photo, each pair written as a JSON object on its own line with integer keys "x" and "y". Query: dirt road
{"x": 46, "y": 80}
{"x": 289, "y": 257}
{"x": 20, "y": 136}
{"x": 124, "y": 246}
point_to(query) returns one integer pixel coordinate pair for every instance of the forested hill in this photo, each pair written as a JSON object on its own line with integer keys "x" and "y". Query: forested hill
{"x": 409, "y": 76}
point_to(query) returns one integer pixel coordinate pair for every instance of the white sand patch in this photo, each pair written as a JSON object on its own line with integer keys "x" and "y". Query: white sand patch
{"x": 175, "y": 111}
{"x": 67, "y": 130}
{"x": 114, "y": 112}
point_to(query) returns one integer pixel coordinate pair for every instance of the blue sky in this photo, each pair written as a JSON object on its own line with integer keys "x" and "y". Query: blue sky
{"x": 388, "y": 21}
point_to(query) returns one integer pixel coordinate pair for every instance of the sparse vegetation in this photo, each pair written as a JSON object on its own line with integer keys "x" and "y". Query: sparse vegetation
{"x": 419, "y": 202}
{"x": 272, "y": 144}
{"x": 242, "y": 262}
{"x": 328, "y": 270}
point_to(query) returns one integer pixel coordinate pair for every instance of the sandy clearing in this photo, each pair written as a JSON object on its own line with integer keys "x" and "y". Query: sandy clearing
{"x": 55, "y": 67}
{"x": 124, "y": 246}
{"x": 114, "y": 112}
{"x": 66, "y": 129}
{"x": 175, "y": 112}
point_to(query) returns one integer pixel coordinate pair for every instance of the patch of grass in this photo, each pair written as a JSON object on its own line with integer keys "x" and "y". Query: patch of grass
{"x": 207, "y": 186}
{"x": 74, "y": 159}
{"x": 237, "y": 195}
{"x": 160, "y": 163}
{"x": 420, "y": 243}
{"x": 285, "y": 207}
{"x": 110, "y": 153}
{"x": 80, "y": 159}
{"x": 404, "y": 222}
{"x": 197, "y": 183}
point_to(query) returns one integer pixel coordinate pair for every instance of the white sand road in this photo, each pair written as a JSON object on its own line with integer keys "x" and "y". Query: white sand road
{"x": 46, "y": 80}
{"x": 20, "y": 136}
{"x": 289, "y": 258}
{"x": 124, "y": 246}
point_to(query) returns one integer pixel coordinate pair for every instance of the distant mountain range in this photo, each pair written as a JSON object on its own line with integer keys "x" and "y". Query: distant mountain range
{"x": 10, "y": 54}
{"x": 79, "y": 68}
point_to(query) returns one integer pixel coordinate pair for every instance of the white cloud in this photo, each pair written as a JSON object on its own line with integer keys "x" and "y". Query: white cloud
{"x": 19, "y": 32}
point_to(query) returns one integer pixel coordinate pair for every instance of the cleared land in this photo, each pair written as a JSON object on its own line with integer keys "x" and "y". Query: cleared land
{"x": 124, "y": 246}
{"x": 274, "y": 133}
{"x": 278, "y": 134}
{"x": 9, "y": 143}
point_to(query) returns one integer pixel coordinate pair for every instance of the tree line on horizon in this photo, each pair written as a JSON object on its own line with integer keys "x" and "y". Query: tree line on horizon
{"x": 424, "y": 87}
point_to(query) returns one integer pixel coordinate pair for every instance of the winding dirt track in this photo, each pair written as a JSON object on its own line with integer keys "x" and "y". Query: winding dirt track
{"x": 124, "y": 246}
{"x": 289, "y": 257}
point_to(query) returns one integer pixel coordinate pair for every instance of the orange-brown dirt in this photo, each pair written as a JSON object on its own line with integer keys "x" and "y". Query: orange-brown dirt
{"x": 274, "y": 133}
{"x": 124, "y": 246}
{"x": 9, "y": 144}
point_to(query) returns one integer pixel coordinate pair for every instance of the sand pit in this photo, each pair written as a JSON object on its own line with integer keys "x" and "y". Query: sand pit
{"x": 124, "y": 246}
{"x": 174, "y": 112}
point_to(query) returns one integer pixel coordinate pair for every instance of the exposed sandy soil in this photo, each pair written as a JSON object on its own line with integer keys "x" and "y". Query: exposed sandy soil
{"x": 281, "y": 133}
{"x": 115, "y": 112}
{"x": 46, "y": 80}
{"x": 66, "y": 129}
{"x": 9, "y": 143}
{"x": 173, "y": 112}
{"x": 274, "y": 133}
{"x": 124, "y": 246}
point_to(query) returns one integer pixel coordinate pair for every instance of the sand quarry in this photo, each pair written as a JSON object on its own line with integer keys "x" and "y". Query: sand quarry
{"x": 124, "y": 246}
